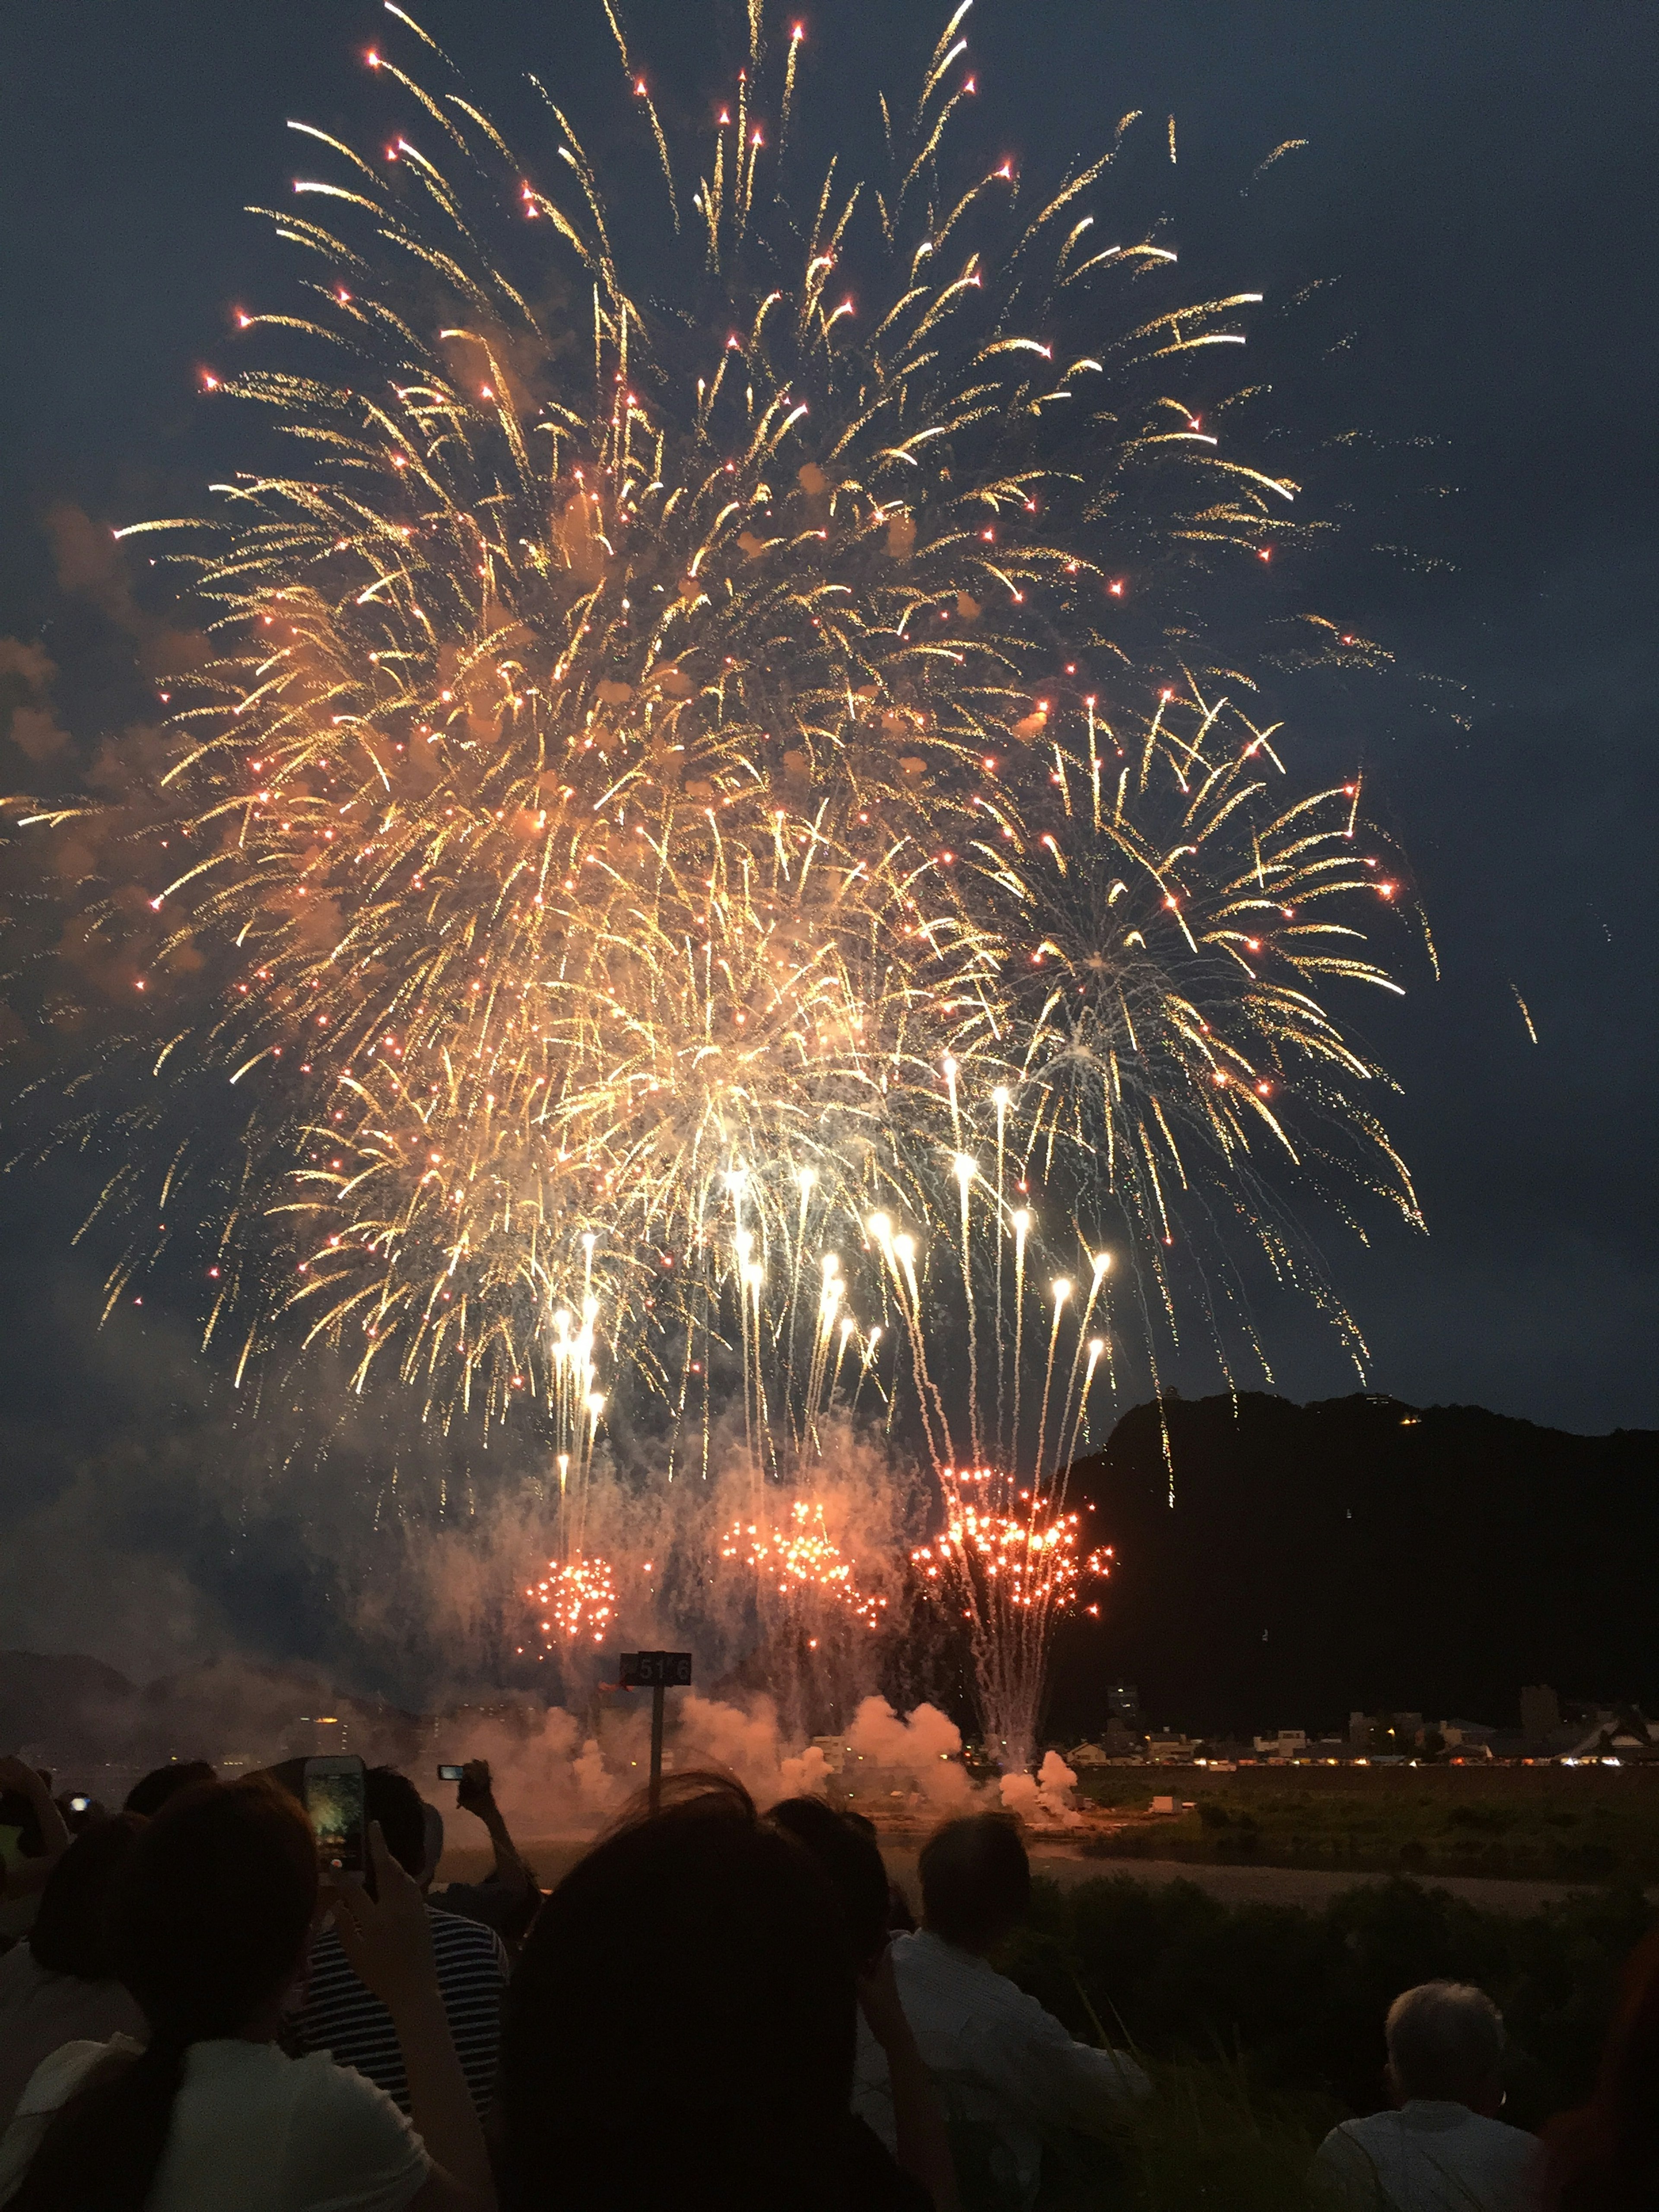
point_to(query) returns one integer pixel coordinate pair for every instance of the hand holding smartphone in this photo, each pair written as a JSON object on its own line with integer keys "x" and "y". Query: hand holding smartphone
{"x": 335, "y": 1793}
{"x": 451, "y": 1773}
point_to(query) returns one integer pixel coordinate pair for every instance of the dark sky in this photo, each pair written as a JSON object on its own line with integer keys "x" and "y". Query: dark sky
{"x": 1479, "y": 182}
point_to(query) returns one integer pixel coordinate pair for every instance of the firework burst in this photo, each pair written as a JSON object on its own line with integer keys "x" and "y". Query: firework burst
{"x": 797, "y": 1558}
{"x": 701, "y": 854}
{"x": 1011, "y": 1561}
{"x": 575, "y": 1601}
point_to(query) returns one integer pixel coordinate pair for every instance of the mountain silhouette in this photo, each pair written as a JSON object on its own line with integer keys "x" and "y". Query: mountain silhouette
{"x": 1359, "y": 1553}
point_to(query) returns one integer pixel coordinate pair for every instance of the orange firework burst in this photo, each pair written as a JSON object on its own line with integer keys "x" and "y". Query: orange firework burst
{"x": 577, "y": 1600}
{"x": 1013, "y": 1559}
{"x": 802, "y": 1555}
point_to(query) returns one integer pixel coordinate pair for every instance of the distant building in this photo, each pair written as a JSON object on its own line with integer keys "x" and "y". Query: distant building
{"x": 1624, "y": 1737}
{"x": 1384, "y": 1735}
{"x": 1123, "y": 1703}
{"x": 320, "y": 1735}
{"x": 1541, "y": 1712}
{"x": 1172, "y": 1749}
{"x": 1466, "y": 1736}
{"x": 1288, "y": 1743}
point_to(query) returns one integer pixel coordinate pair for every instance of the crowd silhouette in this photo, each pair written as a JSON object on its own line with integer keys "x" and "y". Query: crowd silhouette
{"x": 715, "y": 2005}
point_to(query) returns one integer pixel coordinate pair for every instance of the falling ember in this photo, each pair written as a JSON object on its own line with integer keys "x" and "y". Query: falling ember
{"x": 800, "y": 1558}
{"x": 575, "y": 1601}
{"x": 1010, "y": 1560}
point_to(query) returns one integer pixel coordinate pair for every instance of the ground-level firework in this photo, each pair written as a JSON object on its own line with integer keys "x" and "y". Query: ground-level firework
{"x": 1013, "y": 1562}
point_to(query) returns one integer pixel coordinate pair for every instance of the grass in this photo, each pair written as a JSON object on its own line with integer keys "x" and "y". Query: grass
{"x": 1296, "y": 1998}
{"x": 1262, "y": 2025}
{"x": 1551, "y": 1824}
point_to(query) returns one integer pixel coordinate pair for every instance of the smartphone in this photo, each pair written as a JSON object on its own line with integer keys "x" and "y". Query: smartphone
{"x": 335, "y": 1790}
{"x": 79, "y": 1804}
{"x": 451, "y": 1773}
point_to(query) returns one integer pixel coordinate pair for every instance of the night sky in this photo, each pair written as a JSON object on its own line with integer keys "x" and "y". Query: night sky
{"x": 1477, "y": 183}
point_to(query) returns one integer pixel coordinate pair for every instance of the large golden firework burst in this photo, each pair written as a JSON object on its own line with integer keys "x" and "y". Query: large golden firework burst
{"x": 674, "y": 777}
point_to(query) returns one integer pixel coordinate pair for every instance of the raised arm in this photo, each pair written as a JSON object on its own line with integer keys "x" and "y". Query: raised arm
{"x": 923, "y": 2145}
{"x": 388, "y": 1939}
{"x": 474, "y": 1795}
{"x": 20, "y": 1881}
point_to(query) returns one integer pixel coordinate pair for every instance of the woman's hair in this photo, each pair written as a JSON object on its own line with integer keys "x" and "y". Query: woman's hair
{"x": 851, "y": 1861}
{"x": 1605, "y": 2156}
{"x": 148, "y": 1794}
{"x": 679, "y": 2027}
{"x": 209, "y": 1914}
{"x": 71, "y": 1933}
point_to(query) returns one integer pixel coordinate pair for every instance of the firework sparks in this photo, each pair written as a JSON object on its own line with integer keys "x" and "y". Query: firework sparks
{"x": 1012, "y": 1561}
{"x": 575, "y": 1601}
{"x": 799, "y": 1558}
{"x": 706, "y": 848}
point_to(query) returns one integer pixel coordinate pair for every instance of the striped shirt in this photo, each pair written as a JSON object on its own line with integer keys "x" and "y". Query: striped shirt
{"x": 350, "y": 2023}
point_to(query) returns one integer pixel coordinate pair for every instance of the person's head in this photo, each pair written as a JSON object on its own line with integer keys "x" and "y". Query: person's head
{"x": 72, "y": 1934}
{"x": 851, "y": 1864}
{"x": 208, "y": 1917}
{"x": 1603, "y": 2157}
{"x": 976, "y": 1881}
{"x": 147, "y": 1796}
{"x": 21, "y": 1813}
{"x": 392, "y": 1799}
{"x": 680, "y": 2024}
{"x": 1446, "y": 2042}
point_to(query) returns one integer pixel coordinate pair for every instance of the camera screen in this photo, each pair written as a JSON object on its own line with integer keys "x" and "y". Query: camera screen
{"x": 335, "y": 1802}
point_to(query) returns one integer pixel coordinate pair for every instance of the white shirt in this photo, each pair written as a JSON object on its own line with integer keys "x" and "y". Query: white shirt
{"x": 40, "y": 2010}
{"x": 999, "y": 2058}
{"x": 252, "y": 2130}
{"x": 1432, "y": 2156}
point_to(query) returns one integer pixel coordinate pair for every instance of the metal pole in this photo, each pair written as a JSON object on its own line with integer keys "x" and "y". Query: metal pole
{"x": 658, "y": 1696}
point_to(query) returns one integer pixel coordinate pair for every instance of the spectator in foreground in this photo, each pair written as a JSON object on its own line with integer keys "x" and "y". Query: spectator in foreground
{"x": 212, "y": 1911}
{"x": 679, "y": 2030}
{"x": 33, "y": 1839}
{"x": 1605, "y": 2157}
{"x": 846, "y": 1850}
{"x": 1445, "y": 2149}
{"x": 1007, "y": 2069}
{"x": 149, "y": 1795}
{"x": 344, "y": 2017}
{"x": 507, "y": 1899}
{"x": 59, "y": 1984}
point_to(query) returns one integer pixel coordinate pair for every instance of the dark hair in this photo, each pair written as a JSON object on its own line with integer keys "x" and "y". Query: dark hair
{"x": 392, "y": 1799}
{"x": 704, "y": 1949}
{"x": 975, "y": 1880}
{"x": 208, "y": 1919}
{"x": 18, "y": 1811}
{"x": 71, "y": 1932}
{"x": 161, "y": 1783}
{"x": 1603, "y": 2157}
{"x": 851, "y": 1864}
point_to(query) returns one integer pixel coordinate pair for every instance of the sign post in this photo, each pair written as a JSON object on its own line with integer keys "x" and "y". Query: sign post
{"x": 661, "y": 1671}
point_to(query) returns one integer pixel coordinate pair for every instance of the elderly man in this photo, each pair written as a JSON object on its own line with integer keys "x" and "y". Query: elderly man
{"x": 1009, "y": 2072}
{"x": 1445, "y": 2149}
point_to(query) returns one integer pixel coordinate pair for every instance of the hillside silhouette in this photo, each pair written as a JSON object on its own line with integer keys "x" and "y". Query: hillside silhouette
{"x": 1353, "y": 1552}
{"x": 1361, "y": 1552}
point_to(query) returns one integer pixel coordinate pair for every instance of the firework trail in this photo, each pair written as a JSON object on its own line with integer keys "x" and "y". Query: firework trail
{"x": 1011, "y": 1558}
{"x": 691, "y": 865}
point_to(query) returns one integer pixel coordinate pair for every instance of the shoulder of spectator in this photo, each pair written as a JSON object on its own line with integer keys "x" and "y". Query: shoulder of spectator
{"x": 457, "y": 1935}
